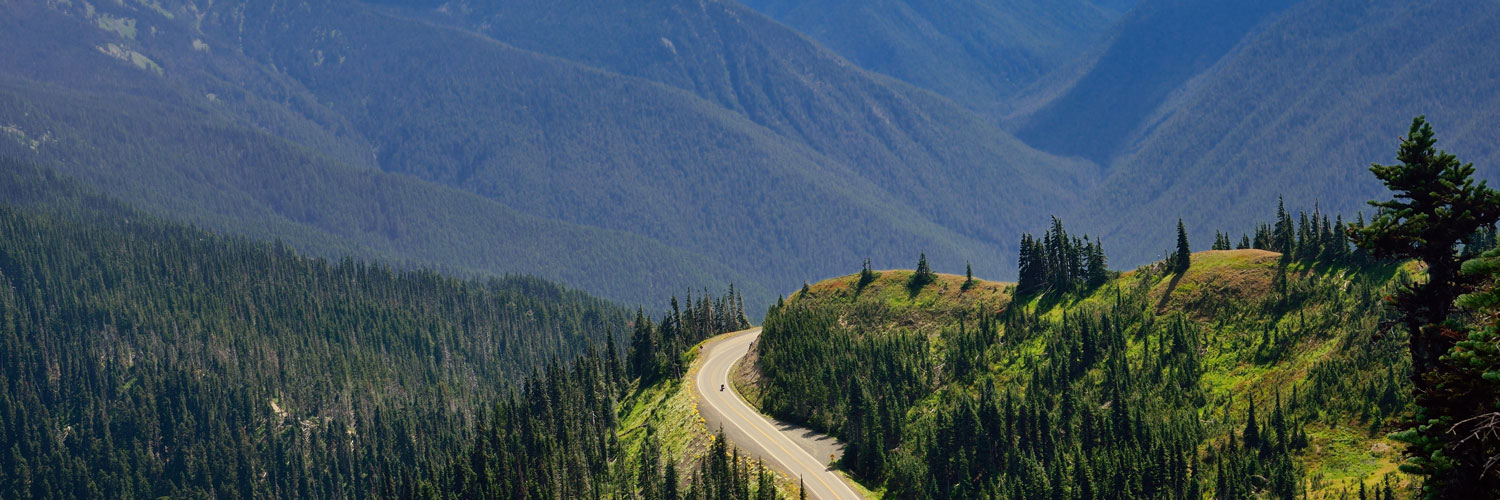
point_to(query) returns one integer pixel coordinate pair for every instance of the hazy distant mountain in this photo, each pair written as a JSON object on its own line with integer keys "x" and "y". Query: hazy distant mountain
{"x": 977, "y": 53}
{"x": 225, "y": 143}
{"x": 930, "y": 154}
{"x": 1116, "y": 5}
{"x": 750, "y": 151}
{"x": 1156, "y": 48}
{"x": 630, "y": 148}
{"x": 1301, "y": 107}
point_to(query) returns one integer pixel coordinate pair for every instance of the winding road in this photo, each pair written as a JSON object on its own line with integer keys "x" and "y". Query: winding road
{"x": 794, "y": 450}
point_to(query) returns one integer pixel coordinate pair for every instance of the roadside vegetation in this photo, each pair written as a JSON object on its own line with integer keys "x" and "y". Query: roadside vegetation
{"x": 1271, "y": 367}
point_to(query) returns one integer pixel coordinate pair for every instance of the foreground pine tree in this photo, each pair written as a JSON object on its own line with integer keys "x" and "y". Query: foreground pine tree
{"x": 1437, "y": 205}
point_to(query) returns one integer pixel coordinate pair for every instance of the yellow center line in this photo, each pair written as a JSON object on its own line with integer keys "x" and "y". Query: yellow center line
{"x": 818, "y": 477}
{"x": 795, "y": 457}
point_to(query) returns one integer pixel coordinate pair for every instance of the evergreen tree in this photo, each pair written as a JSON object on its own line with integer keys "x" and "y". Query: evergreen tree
{"x": 866, "y": 275}
{"x": 1184, "y": 257}
{"x": 1221, "y": 241}
{"x": 1340, "y": 246}
{"x": 649, "y": 479}
{"x": 1059, "y": 262}
{"x": 1283, "y": 235}
{"x": 644, "y": 347}
{"x": 670, "y": 488}
{"x": 1306, "y": 248}
{"x": 1251, "y": 435}
{"x": 612, "y": 360}
{"x": 1436, "y": 205}
{"x": 1033, "y": 272}
{"x": 968, "y": 276}
{"x": 922, "y": 276}
{"x": 1359, "y": 255}
{"x": 1098, "y": 265}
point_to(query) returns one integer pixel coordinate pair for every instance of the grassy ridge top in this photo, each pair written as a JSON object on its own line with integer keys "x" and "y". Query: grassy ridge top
{"x": 1306, "y": 338}
{"x": 1217, "y": 277}
{"x": 887, "y": 302}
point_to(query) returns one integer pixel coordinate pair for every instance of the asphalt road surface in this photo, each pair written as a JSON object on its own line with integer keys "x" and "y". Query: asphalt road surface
{"x": 797, "y": 451}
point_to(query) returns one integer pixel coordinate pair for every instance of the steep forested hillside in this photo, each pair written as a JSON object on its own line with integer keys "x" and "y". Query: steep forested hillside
{"x": 979, "y": 54}
{"x": 1245, "y": 375}
{"x": 194, "y": 166}
{"x": 1225, "y": 106}
{"x": 636, "y": 149}
{"x": 915, "y": 158}
{"x": 1155, "y": 49}
{"x": 220, "y": 156}
{"x": 1301, "y": 108}
{"x": 930, "y": 154}
{"x": 735, "y": 151}
{"x": 144, "y": 359}
{"x": 602, "y": 149}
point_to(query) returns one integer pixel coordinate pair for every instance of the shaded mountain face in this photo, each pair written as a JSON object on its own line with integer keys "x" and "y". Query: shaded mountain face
{"x": 979, "y": 54}
{"x": 928, "y": 153}
{"x": 192, "y": 166}
{"x": 636, "y": 150}
{"x": 199, "y": 132}
{"x": 1301, "y": 108}
{"x": 1157, "y": 48}
{"x": 746, "y": 148}
{"x": 1116, "y": 5}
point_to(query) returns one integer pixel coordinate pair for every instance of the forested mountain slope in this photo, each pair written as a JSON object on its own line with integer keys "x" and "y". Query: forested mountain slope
{"x": 636, "y": 149}
{"x": 1301, "y": 108}
{"x": 193, "y": 166}
{"x": 928, "y": 154}
{"x": 1242, "y": 376}
{"x": 1194, "y": 103}
{"x": 143, "y": 359}
{"x": 1154, "y": 50}
{"x": 562, "y": 140}
{"x": 584, "y": 132}
{"x": 979, "y": 54}
{"x": 215, "y": 143}
{"x": 889, "y": 132}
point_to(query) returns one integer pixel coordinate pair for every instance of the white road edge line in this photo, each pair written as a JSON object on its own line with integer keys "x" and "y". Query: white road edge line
{"x": 800, "y": 457}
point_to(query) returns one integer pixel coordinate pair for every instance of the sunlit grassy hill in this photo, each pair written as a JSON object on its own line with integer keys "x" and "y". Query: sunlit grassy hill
{"x": 1185, "y": 354}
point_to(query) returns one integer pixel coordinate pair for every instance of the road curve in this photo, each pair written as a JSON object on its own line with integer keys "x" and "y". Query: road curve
{"x": 782, "y": 446}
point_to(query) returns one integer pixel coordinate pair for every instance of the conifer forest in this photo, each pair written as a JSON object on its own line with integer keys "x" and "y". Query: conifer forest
{"x": 749, "y": 250}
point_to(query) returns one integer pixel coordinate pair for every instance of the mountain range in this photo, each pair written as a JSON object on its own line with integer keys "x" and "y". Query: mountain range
{"x": 635, "y": 150}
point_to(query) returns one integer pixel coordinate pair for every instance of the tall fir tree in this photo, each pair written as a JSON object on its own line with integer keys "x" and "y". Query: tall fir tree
{"x": 1184, "y": 256}
{"x": 968, "y": 276}
{"x": 1032, "y": 269}
{"x": 1436, "y": 205}
{"x": 1098, "y": 265}
{"x": 1251, "y": 436}
{"x": 1283, "y": 234}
